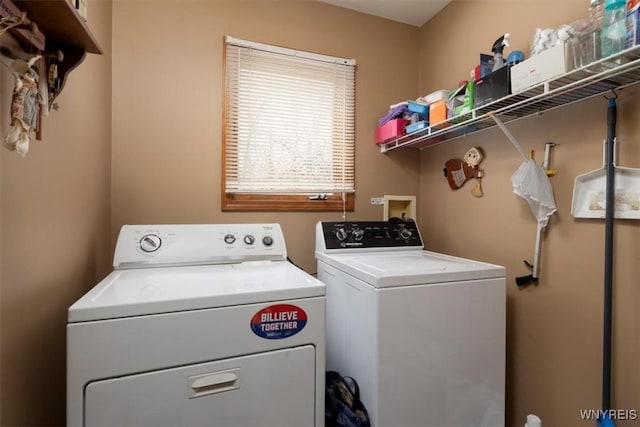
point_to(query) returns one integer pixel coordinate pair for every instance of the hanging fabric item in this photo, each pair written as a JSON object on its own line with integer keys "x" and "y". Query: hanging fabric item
{"x": 25, "y": 106}
{"x": 531, "y": 182}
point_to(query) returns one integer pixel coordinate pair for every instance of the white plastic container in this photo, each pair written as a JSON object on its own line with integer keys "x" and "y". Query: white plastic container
{"x": 539, "y": 68}
{"x": 436, "y": 96}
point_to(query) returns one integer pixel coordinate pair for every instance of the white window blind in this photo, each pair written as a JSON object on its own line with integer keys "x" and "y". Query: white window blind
{"x": 289, "y": 121}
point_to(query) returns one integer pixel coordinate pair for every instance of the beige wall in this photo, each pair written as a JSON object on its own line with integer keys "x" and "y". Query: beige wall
{"x": 167, "y": 105}
{"x": 54, "y": 224}
{"x": 153, "y": 155}
{"x": 137, "y": 140}
{"x": 554, "y": 330}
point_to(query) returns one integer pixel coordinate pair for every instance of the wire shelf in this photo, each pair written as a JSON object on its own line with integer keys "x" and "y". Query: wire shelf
{"x": 599, "y": 77}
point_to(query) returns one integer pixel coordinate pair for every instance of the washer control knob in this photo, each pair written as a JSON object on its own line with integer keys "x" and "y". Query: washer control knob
{"x": 249, "y": 239}
{"x": 150, "y": 243}
{"x": 405, "y": 234}
{"x": 267, "y": 240}
{"x": 341, "y": 234}
{"x": 229, "y": 239}
{"x": 358, "y": 234}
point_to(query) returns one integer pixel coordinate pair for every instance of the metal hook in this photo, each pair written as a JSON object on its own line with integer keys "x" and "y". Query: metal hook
{"x": 615, "y": 95}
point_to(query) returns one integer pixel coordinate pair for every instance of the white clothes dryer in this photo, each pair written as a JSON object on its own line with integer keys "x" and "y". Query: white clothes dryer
{"x": 198, "y": 325}
{"x": 423, "y": 333}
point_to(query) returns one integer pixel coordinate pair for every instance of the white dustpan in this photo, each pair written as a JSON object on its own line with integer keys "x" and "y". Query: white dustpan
{"x": 589, "y": 192}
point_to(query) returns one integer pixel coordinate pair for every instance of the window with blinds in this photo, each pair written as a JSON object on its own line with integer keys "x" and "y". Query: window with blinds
{"x": 289, "y": 140}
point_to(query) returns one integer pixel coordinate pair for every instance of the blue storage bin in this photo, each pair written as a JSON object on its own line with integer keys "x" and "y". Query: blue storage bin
{"x": 416, "y": 126}
{"x": 421, "y": 109}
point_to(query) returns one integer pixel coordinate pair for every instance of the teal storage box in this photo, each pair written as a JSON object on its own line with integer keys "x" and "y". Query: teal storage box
{"x": 416, "y": 126}
{"x": 421, "y": 109}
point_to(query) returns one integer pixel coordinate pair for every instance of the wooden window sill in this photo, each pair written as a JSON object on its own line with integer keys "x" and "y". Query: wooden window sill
{"x": 286, "y": 202}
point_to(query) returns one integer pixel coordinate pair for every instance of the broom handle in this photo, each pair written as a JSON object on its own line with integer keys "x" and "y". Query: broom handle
{"x": 536, "y": 255}
{"x": 608, "y": 258}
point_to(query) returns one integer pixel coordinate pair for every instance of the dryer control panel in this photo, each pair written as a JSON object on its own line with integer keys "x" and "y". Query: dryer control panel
{"x": 164, "y": 245}
{"x": 367, "y": 235}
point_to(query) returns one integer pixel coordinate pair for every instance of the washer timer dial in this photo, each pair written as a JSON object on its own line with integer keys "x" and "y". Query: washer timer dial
{"x": 342, "y": 234}
{"x": 150, "y": 243}
{"x": 405, "y": 234}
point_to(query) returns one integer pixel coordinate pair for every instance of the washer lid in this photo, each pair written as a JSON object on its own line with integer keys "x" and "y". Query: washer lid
{"x": 389, "y": 269}
{"x": 137, "y": 292}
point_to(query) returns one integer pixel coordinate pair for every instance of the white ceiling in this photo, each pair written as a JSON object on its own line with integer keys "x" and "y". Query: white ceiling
{"x": 413, "y": 12}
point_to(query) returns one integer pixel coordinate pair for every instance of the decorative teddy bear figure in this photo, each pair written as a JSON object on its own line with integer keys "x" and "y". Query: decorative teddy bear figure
{"x": 459, "y": 171}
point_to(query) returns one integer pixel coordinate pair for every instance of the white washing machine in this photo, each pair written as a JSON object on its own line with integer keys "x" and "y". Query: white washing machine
{"x": 198, "y": 325}
{"x": 423, "y": 333}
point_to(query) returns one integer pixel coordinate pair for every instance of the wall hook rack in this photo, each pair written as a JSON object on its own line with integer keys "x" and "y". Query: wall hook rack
{"x": 52, "y": 29}
{"x": 21, "y": 25}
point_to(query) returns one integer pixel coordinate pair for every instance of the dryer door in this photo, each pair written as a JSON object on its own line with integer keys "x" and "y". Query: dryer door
{"x": 275, "y": 388}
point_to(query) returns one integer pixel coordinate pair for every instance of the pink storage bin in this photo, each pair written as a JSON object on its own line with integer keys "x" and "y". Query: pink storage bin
{"x": 391, "y": 129}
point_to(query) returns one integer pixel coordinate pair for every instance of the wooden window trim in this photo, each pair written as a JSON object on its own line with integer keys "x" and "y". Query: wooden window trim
{"x": 286, "y": 202}
{"x": 275, "y": 202}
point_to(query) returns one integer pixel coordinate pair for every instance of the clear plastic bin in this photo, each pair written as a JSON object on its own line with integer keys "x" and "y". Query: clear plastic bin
{"x": 586, "y": 48}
